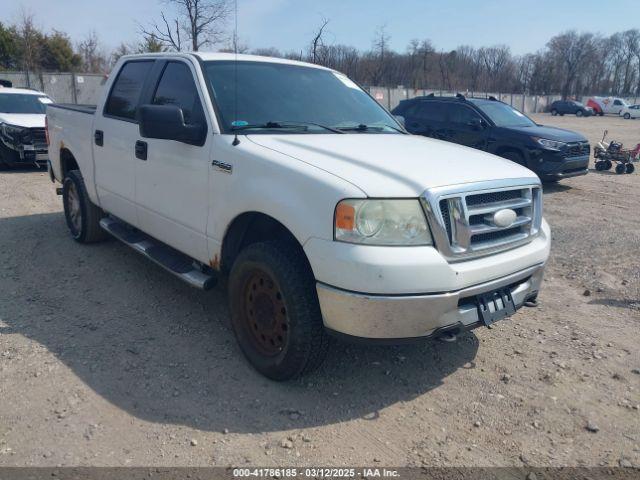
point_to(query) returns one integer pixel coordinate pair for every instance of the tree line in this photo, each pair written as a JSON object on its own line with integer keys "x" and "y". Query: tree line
{"x": 571, "y": 64}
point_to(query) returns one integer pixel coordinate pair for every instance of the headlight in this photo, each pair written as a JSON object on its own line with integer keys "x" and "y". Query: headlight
{"x": 382, "y": 222}
{"x": 550, "y": 144}
{"x": 11, "y": 131}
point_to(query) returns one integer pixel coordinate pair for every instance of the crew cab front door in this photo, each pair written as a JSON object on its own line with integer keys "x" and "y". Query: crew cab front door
{"x": 172, "y": 193}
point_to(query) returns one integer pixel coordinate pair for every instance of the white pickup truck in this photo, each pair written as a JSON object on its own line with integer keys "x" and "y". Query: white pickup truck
{"x": 288, "y": 179}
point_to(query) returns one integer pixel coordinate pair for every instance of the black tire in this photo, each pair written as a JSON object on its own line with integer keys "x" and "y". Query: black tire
{"x": 627, "y": 116}
{"x": 599, "y": 166}
{"x": 607, "y": 165}
{"x": 620, "y": 168}
{"x": 601, "y": 114}
{"x": 514, "y": 157}
{"x": 286, "y": 295}
{"x": 579, "y": 113}
{"x": 630, "y": 168}
{"x": 83, "y": 219}
{"x": 554, "y": 112}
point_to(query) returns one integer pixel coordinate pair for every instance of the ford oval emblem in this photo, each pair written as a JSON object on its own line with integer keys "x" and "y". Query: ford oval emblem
{"x": 504, "y": 218}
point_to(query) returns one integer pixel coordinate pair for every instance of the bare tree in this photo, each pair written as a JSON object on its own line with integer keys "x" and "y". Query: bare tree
{"x": 570, "y": 50}
{"x": 198, "y": 23}
{"x": 94, "y": 59}
{"x": 31, "y": 40}
{"x": 317, "y": 41}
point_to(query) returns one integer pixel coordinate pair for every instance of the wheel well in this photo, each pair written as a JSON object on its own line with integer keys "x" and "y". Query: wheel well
{"x": 505, "y": 150}
{"x": 67, "y": 162}
{"x": 248, "y": 228}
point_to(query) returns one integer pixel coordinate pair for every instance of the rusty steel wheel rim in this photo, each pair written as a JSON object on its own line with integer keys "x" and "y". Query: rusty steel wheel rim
{"x": 265, "y": 313}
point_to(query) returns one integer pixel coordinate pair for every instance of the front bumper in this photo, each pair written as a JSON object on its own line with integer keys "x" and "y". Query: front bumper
{"x": 551, "y": 165}
{"x": 27, "y": 153}
{"x": 389, "y": 317}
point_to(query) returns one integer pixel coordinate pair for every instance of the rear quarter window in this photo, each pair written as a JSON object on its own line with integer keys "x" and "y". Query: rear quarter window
{"x": 428, "y": 111}
{"x": 125, "y": 94}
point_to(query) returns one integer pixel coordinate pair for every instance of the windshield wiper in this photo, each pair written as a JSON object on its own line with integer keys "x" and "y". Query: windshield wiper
{"x": 365, "y": 128}
{"x": 284, "y": 125}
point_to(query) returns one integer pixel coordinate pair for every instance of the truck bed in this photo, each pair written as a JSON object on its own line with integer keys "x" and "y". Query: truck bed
{"x": 90, "y": 109}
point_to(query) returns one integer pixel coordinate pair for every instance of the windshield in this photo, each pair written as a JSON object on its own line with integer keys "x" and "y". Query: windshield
{"x": 23, "y": 103}
{"x": 504, "y": 115}
{"x": 292, "y": 99}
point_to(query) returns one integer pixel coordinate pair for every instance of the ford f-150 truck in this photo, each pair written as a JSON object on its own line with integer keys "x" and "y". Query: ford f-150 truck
{"x": 291, "y": 182}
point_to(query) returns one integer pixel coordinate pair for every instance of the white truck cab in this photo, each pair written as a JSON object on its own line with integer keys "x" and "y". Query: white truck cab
{"x": 326, "y": 216}
{"x": 22, "y": 126}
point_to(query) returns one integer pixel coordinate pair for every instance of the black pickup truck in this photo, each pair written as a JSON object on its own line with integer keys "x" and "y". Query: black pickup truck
{"x": 493, "y": 126}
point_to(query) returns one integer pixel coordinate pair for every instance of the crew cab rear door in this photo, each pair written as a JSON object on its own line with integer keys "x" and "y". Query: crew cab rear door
{"x": 115, "y": 131}
{"x": 172, "y": 193}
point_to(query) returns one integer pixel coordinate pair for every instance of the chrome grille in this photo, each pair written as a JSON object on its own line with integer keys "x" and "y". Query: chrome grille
{"x": 462, "y": 216}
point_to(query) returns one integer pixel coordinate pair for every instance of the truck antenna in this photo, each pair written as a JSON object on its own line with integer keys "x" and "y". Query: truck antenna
{"x": 236, "y": 140}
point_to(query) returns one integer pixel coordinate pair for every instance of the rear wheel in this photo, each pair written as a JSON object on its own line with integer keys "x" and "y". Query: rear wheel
{"x": 620, "y": 168}
{"x": 275, "y": 313}
{"x": 554, "y": 112}
{"x": 83, "y": 217}
{"x": 630, "y": 168}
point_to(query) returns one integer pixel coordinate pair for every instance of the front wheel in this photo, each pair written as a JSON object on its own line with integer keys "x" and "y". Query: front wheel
{"x": 620, "y": 168}
{"x": 83, "y": 217}
{"x": 627, "y": 116}
{"x": 275, "y": 313}
{"x": 579, "y": 113}
{"x": 630, "y": 168}
{"x": 554, "y": 112}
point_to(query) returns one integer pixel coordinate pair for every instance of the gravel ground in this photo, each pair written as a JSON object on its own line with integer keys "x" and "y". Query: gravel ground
{"x": 107, "y": 360}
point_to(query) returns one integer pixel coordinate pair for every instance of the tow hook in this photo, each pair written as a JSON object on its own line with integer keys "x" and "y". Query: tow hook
{"x": 531, "y": 302}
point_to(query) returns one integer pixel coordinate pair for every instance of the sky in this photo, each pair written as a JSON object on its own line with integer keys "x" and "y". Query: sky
{"x": 525, "y": 26}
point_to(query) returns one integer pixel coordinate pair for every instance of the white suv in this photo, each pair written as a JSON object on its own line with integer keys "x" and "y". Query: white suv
{"x": 22, "y": 127}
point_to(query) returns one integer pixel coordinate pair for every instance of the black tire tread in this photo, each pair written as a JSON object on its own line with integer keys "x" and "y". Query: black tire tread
{"x": 91, "y": 213}
{"x": 310, "y": 342}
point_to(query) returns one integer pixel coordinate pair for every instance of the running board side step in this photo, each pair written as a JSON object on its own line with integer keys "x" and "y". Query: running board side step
{"x": 180, "y": 265}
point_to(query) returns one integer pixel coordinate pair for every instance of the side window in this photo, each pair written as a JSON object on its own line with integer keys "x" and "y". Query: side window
{"x": 429, "y": 112}
{"x": 461, "y": 115}
{"x": 617, "y": 102}
{"x": 177, "y": 87}
{"x": 125, "y": 93}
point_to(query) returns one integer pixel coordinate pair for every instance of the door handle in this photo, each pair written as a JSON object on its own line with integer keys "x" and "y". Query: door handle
{"x": 141, "y": 150}
{"x": 98, "y": 137}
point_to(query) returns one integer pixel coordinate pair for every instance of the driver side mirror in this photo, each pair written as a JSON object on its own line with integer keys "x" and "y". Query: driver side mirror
{"x": 476, "y": 123}
{"x": 166, "y": 122}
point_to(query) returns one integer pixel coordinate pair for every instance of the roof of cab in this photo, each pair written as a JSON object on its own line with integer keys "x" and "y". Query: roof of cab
{"x": 24, "y": 91}
{"x": 217, "y": 56}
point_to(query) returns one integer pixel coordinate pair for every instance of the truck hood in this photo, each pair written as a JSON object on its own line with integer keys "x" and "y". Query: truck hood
{"x": 391, "y": 165}
{"x": 29, "y": 120}
{"x": 551, "y": 133}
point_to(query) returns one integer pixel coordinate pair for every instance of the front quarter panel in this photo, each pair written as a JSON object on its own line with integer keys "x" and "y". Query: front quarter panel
{"x": 300, "y": 196}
